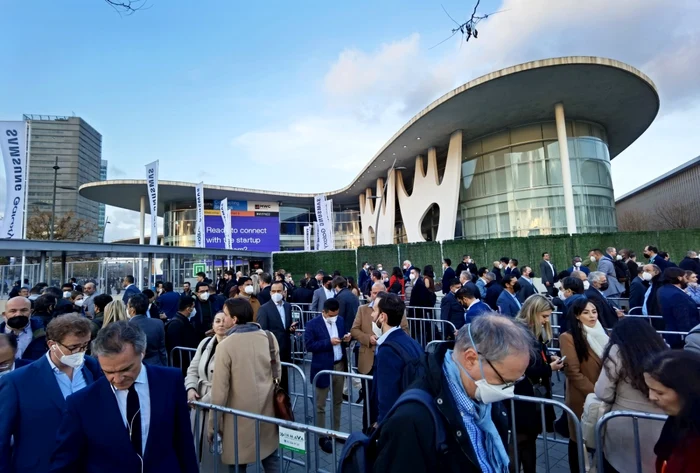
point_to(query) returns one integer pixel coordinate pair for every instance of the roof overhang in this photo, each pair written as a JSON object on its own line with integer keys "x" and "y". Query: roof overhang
{"x": 613, "y": 94}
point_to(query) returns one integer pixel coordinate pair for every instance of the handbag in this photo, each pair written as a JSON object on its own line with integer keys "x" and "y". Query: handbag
{"x": 593, "y": 410}
{"x": 280, "y": 399}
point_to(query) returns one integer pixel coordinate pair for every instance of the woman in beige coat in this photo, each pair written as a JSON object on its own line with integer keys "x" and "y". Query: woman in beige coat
{"x": 243, "y": 380}
{"x": 622, "y": 384}
{"x": 198, "y": 382}
{"x": 582, "y": 346}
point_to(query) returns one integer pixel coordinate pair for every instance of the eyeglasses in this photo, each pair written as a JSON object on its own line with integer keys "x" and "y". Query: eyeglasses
{"x": 76, "y": 348}
{"x": 506, "y": 384}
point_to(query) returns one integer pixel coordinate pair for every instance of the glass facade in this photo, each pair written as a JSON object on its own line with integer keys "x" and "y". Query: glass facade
{"x": 512, "y": 182}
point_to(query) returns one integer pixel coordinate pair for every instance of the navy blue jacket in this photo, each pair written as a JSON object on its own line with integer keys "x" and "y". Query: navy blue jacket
{"x": 507, "y": 304}
{"x": 583, "y": 269}
{"x": 168, "y": 303}
{"x": 637, "y": 291}
{"x": 37, "y": 347}
{"x": 362, "y": 278}
{"x": 318, "y": 343}
{"x": 392, "y": 356}
{"x": 452, "y": 310}
{"x": 447, "y": 276}
{"x": 156, "y": 352}
{"x": 493, "y": 291}
{"x": 477, "y": 309}
{"x": 128, "y": 292}
{"x": 93, "y": 439}
{"x": 349, "y": 303}
{"x": 679, "y": 311}
{"x": 32, "y": 409}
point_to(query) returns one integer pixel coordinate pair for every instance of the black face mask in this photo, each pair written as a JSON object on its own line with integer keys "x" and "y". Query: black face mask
{"x": 532, "y": 275}
{"x": 604, "y": 286}
{"x": 516, "y": 287}
{"x": 18, "y": 322}
{"x": 647, "y": 255}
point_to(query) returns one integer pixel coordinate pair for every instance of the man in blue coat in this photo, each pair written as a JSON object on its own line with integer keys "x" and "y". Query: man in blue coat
{"x": 324, "y": 337}
{"x": 469, "y": 298}
{"x": 27, "y": 330}
{"x": 678, "y": 309}
{"x": 349, "y": 303}
{"x": 130, "y": 288}
{"x": 135, "y": 419}
{"x": 507, "y": 302}
{"x": 33, "y": 397}
{"x": 156, "y": 352}
{"x": 168, "y": 301}
{"x": 448, "y": 275}
{"x": 450, "y": 308}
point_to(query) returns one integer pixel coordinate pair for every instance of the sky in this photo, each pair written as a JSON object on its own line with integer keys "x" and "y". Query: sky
{"x": 257, "y": 94}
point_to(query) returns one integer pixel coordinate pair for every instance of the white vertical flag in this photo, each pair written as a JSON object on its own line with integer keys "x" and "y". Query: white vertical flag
{"x": 226, "y": 217}
{"x": 152, "y": 183}
{"x": 307, "y": 238}
{"x": 331, "y": 227}
{"x": 317, "y": 244}
{"x": 199, "y": 231}
{"x": 324, "y": 225}
{"x": 13, "y": 144}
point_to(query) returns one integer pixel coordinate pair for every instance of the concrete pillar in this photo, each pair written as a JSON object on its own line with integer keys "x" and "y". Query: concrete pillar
{"x": 42, "y": 267}
{"x": 142, "y": 221}
{"x": 565, "y": 169}
{"x": 64, "y": 276}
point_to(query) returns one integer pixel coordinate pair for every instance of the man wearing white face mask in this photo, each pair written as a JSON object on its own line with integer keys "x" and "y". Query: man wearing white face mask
{"x": 33, "y": 417}
{"x": 245, "y": 291}
{"x": 467, "y": 379}
{"x": 276, "y": 317}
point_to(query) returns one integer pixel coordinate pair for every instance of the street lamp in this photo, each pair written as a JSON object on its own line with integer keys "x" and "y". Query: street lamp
{"x": 104, "y": 229}
{"x": 56, "y": 167}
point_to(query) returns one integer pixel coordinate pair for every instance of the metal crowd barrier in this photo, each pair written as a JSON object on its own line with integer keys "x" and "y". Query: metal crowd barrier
{"x": 304, "y": 395}
{"x": 432, "y": 313}
{"x": 180, "y": 351}
{"x": 425, "y": 331}
{"x": 599, "y": 436}
{"x": 343, "y": 374}
{"x": 299, "y": 352}
{"x": 296, "y": 428}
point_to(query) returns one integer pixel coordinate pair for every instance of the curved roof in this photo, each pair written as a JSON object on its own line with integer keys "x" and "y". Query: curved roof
{"x": 604, "y": 91}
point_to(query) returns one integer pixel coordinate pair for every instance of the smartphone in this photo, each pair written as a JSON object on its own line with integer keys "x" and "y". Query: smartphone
{"x": 562, "y": 359}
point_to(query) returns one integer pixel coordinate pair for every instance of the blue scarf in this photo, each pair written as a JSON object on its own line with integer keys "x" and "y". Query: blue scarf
{"x": 495, "y": 450}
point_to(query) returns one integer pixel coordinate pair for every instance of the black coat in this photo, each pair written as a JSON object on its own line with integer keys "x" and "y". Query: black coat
{"x": 264, "y": 295}
{"x": 452, "y": 310}
{"x": 471, "y": 267}
{"x": 637, "y": 291}
{"x": 527, "y": 414}
{"x": 421, "y": 296}
{"x": 407, "y": 437}
{"x": 493, "y": 290}
{"x": 690, "y": 264}
{"x": 180, "y": 332}
{"x": 302, "y": 295}
{"x": 447, "y": 276}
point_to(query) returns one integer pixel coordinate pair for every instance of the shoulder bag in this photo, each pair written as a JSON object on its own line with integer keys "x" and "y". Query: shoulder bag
{"x": 280, "y": 399}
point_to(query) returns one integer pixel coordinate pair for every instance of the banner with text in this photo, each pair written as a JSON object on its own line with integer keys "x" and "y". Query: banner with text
{"x": 317, "y": 243}
{"x": 152, "y": 183}
{"x": 331, "y": 227}
{"x": 13, "y": 144}
{"x": 226, "y": 221}
{"x": 199, "y": 229}
{"x": 255, "y": 226}
{"x": 324, "y": 238}
{"x": 307, "y": 238}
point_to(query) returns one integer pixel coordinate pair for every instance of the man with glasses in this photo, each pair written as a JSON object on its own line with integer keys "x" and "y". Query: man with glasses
{"x": 29, "y": 332}
{"x": 33, "y": 398}
{"x": 467, "y": 379}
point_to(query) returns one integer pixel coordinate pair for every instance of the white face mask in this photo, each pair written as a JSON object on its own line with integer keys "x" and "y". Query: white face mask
{"x": 193, "y": 313}
{"x": 488, "y": 393}
{"x": 277, "y": 297}
{"x": 578, "y": 264}
{"x": 204, "y": 296}
{"x": 500, "y": 266}
{"x": 75, "y": 360}
{"x": 66, "y": 294}
{"x": 331, "y": 320}
{"x": 647, "y": 276}
{"x": 249, "y": 289}
{"x": 379, "y": 268}
{"x": 79, "y": 302}
{"x": 562, "y": 295}
{"x": 619, "y": 257}
{"x": 412, "y": 276}
{"x": 593, "y": 259}
{"x": 586, "y": 285}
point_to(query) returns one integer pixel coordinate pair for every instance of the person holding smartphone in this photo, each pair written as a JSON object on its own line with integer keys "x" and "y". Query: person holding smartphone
{"x": 535, "y": 315}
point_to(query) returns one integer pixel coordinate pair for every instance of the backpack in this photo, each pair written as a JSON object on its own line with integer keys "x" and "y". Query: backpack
{"x": 360, "y": 451}
{"x": 622, "y": 273}
{"x": 412, "y": 364}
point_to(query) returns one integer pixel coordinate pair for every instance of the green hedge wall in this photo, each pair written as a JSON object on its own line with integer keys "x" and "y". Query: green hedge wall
{"x": 528, "y": 251}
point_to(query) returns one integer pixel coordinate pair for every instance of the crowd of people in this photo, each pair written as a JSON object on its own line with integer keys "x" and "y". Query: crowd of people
{"x": 85, "y": 383}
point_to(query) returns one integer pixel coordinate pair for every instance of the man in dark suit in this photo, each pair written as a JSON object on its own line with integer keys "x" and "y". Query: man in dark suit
{"x": 27, "y": 330}
{"x": 678, "y": 309}
{"x": 527, "y": 286}
{"x": 507, "y": 302}
{"x": 33, "y": 397}
{"x": 169, "y": 300}
{"x": 638, "y": 289}
{"x": 276, "y": 317}
{"x": 134, "y": 419}
{"x": 156, "y": 353}
{"x": 493, "y": 291}
{"x": 324, "y": 337}
{"x": 363, "y": 277}
{"x": 322, "y": 294}
{"x": 129, "y": 288}
{"x": 469, "y": 298}
{"x": 512, "y": 268}
{"x": 652, "y": 253}
{"x": 690, "y": 262}
{"x": 467, "y": 264}
{"x": 186, "y": 289}
{"x": 448, "y": 275}
{"x": 608, "y": 313}
{"x": 349, "y": 303}
{"x": 302, "y": 294}
{"x": 548, "y": 273}
{"x": 450, "y": 308}
{"x": 577, "y": 265}
{"x": 180, "y": 332}
{"x": 264, "y": 293}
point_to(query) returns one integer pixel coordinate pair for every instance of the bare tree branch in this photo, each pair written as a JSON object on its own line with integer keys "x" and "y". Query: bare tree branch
{"x": 468, "y": 28}
{"x": 128, "y": 7}
{"x": 66, "y": 227}
{"x": 674, "y": 215}
{"x": 632, "y": 222}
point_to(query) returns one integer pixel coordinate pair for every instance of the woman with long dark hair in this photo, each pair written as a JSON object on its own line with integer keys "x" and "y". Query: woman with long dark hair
{"x": 396, "y": 282}
{"x": 621, "y": 383}
{"x": 583, "y": 346}
{"x": 673, "y": 378}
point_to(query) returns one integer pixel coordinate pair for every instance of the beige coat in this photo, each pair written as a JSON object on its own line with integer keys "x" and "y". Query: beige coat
{"x": 619, "y": 435}
{"x": 254, "y": 303}
{"x": 580, "y": 377}
{"x": 243, "y": 380}
{"x": 362, "y": 332}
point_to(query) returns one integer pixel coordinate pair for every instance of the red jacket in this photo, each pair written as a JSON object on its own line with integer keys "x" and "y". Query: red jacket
{"x": 394, "y": 280}
{"x": 680, "y": 450}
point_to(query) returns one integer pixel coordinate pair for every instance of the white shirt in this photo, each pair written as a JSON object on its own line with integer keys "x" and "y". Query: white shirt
{"x": 383, "y": 338}
{"x": 144, "y": 402}
{"x": 280, "y": 309}
{"x": 550, "y": 265}
{"x": 333, "y": 332}
{"x": 329, "y": 293}
{"x": 23, "y": 339}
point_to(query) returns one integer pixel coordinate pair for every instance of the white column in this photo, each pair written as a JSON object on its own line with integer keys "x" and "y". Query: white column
{"x": 142, "y": 221}
{"x": 565, "y": 169}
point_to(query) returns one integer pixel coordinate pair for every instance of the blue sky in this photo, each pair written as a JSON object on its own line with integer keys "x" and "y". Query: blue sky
{"x": 257, "y": 94}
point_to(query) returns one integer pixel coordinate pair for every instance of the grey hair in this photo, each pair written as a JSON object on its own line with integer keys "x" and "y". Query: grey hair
{"x": 112, "y": 339}
{"x": 610, "y": 249}
{"x": 690, "y": 253}
{"x": 596, "y": 276}
{"x": 466, "y": 274}
{"x": 490, "y": 276}
{"x": 496, "y": 337}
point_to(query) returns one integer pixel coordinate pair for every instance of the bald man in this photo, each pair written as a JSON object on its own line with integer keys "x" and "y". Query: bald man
{"x": 89, "y": 292}
{"x": 29, "y": 332}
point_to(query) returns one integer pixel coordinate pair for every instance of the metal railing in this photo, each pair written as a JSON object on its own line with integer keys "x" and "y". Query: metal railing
{"x": 343, "y": 374}
{"x": 425, "y": 331}
{"x": 182, "y": 352}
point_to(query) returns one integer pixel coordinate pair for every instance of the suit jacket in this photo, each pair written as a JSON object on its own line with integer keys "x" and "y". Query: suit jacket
{"x": 637, "y": 291}
{"x": 168, "y": 303}
{"x": 507, "y": 305}
{"x": 476, "y": 309}
{"x": 269, "y": 319}
{"x": 349, "y": 303}
{"x": 93, "y": 438}
{"x": 447, "y": 276}
{"x": 303, "y": 295}
{"x": 546, "y": 272}
{"x": 318, "y": 343}
{"x": 583, "y": 269}
{"x": 37, "y": 347}
{"x": 512, "y": 272}
{"x": 660, "y": 262}
{"x": 474, "y": 288}
{"x": 492, "y": 294}
{"x": 690, "y": 264}
{"x": 481, "y": 286}
{"x": 128, "y": 292}
{"x": 362, "y": 331}
{"x": 264, "y": 295}
{"x": 679, "y": 311}
{"x": 451, "y": 310}
{"x": 180, "y": 332}
{"x": 526, "y": 289}
{"x": 606, "y": 311}
{"x": 318, "y": 300}
{"x": 32, "y": 411}
{"x": 615, "y": 287}
{"x": 362, "y": 278}
{"x": 156, "y": 353}
{"x": 471, "y": 267}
